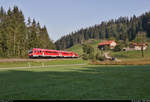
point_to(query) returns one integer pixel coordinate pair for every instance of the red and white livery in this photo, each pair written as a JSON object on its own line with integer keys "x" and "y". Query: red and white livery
{"x": 38, "y": 52}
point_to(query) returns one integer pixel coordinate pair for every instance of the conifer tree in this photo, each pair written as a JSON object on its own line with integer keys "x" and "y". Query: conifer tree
{"x": 17, "y": 37}
{"x": 122, "y": 28}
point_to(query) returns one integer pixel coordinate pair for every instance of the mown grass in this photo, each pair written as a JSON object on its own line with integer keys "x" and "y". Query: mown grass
{"x": 76, "y": 82}
{"x": 40, "y": 63}
{"x": 131, "y": 54}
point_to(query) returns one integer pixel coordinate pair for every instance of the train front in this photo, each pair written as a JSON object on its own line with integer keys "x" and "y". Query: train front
{"x": 30, "y": 53}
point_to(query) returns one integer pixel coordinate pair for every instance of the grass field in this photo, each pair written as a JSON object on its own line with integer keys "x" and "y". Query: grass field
{"x": 132, "y": 54}
{"x": 76, "y": 82}
{"x": 68, "y": 81}
{"x": 41, "y": 63}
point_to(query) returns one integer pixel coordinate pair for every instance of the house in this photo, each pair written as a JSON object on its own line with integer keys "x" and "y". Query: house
{"x": 138, "y": 46}
{"x": 110, "y": 44}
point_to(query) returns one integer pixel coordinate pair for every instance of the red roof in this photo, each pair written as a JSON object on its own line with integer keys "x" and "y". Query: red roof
{"x": 142, "y": 44}
{"x": 106, "y": 42}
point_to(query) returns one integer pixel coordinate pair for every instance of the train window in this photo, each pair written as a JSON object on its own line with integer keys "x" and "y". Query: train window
{"x": 53, "y": 52}
{"x": 67, "y": 53}
{"x": 30, "y": 51}
{"x": 34, "y": 51}
{"x": 40, "y": 51}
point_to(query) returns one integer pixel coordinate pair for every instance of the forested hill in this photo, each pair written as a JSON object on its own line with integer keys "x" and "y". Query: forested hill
{"x": 123, "y": 28}
{"x": 18, "y": 36}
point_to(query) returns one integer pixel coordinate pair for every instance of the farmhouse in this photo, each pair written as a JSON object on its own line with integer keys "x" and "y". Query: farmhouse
{"x": 110, "y": 44}
{"x": 136, "y": 46}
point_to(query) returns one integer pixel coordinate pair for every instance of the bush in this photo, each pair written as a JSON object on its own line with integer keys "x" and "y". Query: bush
{"x": 88, "y": 49}
{"x": 91, "y": 56}
{"x": 100, "y": 57}
{"x": 117, "y": 48}
{"x": 85, "y": 57}
{"x": 88, "y": 52}
{"x": 106, "y": 48}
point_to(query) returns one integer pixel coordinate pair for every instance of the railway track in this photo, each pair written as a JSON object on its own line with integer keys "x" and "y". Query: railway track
{"x": 35, "y": 59}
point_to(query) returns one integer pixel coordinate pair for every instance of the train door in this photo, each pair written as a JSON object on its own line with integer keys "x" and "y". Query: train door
{"x": 43, "y": 53}
{"x": 38, "y": 53}
{"x": 60, "y": 54}
{"x": 35, "y": 53}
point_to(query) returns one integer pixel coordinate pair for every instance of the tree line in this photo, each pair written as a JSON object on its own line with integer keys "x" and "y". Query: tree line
{"x": 123, "y": 28}
{"x": 18, "y": 36}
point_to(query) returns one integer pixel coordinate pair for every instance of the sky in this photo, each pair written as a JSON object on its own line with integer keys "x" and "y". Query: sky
{"x": 62, "y": 17}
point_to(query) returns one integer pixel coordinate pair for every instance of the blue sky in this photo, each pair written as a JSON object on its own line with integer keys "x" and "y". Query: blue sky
{"x": 65, "y": 16}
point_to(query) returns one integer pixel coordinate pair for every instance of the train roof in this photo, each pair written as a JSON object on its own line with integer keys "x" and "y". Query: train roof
{"x": 52, "y": 50}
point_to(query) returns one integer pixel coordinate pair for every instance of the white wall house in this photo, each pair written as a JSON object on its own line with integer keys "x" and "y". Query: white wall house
{"x": 111, "y": 44}
{"x": 138, "y": 46}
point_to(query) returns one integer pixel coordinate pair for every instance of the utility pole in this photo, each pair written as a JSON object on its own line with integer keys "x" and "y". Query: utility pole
{"x": 141, "y": 40}
{"x": 143, "y": 36}
{"x": 14, "y": 45}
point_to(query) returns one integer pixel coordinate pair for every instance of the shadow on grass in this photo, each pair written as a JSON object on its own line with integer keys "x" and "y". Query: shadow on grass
{"x": 111, "y": 82}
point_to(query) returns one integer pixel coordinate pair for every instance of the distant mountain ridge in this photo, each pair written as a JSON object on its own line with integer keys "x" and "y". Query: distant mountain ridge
{"x": 123, "y": 28}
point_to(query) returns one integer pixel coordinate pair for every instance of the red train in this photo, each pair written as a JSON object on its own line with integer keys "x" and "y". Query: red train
{"x": 38, "y": 52}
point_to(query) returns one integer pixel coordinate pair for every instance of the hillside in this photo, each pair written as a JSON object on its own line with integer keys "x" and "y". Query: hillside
{"x": 123, "y": 28}
{"x": 121, "y": 55}
{"x": 78, "y": 47}
{"x": 131, "y": 54}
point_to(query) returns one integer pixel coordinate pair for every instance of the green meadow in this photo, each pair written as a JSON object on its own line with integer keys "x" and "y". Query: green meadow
{"x": 76, "y": 82}
{"x": 41, "y": 63}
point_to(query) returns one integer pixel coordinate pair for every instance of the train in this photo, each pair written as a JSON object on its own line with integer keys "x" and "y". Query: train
{"x": 48, "y": 53}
